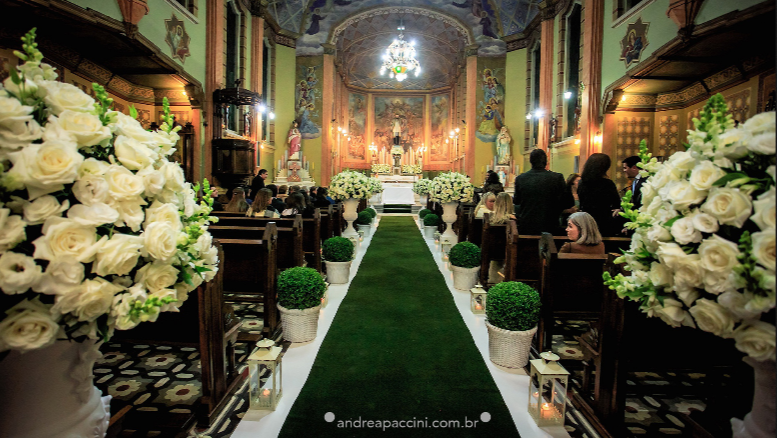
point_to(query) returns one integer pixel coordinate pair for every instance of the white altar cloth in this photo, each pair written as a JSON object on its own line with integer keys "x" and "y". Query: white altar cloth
{"x": 398, "y": 195}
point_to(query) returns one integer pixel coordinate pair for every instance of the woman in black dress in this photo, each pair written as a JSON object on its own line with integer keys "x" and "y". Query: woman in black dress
{"x": 598, "y": 194}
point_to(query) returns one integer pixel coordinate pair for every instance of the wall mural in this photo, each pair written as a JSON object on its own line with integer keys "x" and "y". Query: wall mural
{"x": 308, "y": 96}
{"x": 491, "y": 95}
{"x": 634, "y": 42}
{"x": 177, "y": 38}
{"x": 439, "y": 148}
{"x": 357, "y": 119}
{"x": 411, "y": 114}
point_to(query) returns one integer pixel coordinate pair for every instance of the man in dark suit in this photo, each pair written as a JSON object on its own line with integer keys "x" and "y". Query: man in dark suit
{"x": 258, "y": 182}
{"x": 540, "y": 196}
{"x": 629, "y": 166}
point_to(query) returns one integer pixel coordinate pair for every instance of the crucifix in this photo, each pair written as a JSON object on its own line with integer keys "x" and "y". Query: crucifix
{"x": 294, "y": 167}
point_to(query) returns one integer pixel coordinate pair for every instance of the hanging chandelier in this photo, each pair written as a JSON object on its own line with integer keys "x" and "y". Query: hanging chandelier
{"x": 399, "y": 58}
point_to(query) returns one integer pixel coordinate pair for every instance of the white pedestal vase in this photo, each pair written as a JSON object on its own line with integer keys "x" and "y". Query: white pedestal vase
{"x": 465, "y": 278}
{"x": 429, "y": 231}
{"x": 509, "y": 348}
{"x": 422, "y": 200}
{"x": 366, "y": 229}
{"x": 299, "y": 325}
{"x": 49, "y": 393}
{"x": 760, "y": 422}
{"x": 350, "y": 215}
{"x": 449, "y": 217}
{"x": 338, "y": 272}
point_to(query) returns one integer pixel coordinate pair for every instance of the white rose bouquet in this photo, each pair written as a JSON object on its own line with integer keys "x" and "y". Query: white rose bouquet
{"x": 422, "y": 186}
{"x": 375, "y": 185}
{"x": 451, "y": 187}
{"x": 703, "y": 249}
{"x": 381, "y": 169}
{"x": 350, "y": 184}
{"x": 98, "y": 230}
{"x": 411, "y": 168}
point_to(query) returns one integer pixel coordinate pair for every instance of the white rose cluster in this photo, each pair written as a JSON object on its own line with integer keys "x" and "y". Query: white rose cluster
{"x": 422, "y": 186}
{"x": 451, "y": 187}
{"x": 704, "y": 237}
{"x": 351, "y": 184}
{"x": 98, "y": 230}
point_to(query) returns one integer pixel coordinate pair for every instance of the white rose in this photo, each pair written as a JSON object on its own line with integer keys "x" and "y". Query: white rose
{"x": 174, "y": 179}
{"x": 671, "y": 313}
{"x": 161, "y": 240}
{"x": 91, "y": 189}
{"x": 190, "y": 206}
{"x": 764, "y": 208}
{"x": 687, "y": 275}
{"x": 704, "y": 175}
{"x": 763, "y": 122}
{"x": 118, "y": 255}
{"x": 763, "y": 144}
{"x": 153, "y": 180}
{"x": 649, "y": 193}
{"x": 45, "y": 168}
{"x": 56, "y": 132}
{"x": 12, "y": 111}
{"x": 721, "y": 282}
{"x": 95, "y": 214}
{"x": 37, "y": 211}
{"x": 61, "y": 277}
{"x": 126, "y": 125}
{"x": 660, "y": 275}
{"x": 729, "y": 206}
{"x": 92, "y": 166}
{"x": 682, "y": 161}
{"x": 718, "y": 254}
{"x": 704, "y": 222}
{"x": 735, "y": 303}
{"x": 682, "y": 194}
{"x": 669, "y": 254}
{"x": 123, "y": 185}
{"x": 164, "y": 212}
{"x": 666, "y": 213}
{"x": 14, "y": 136}
{"x": 764, "y": 248}
{"x": 28, "y": 326}
{"x": 157, "y": 276}
{"x": 131, "y": 212}
{"x": 11, "y": 230}
{"x": 684, "y": 232}
{"x": 18, "y": 273}
{"x": 206, "y": 250}
{"x": 772, "y": 171}
{"x": 133, "y": 154}
{"x": 654, "y": 206}
{"x": 734, "y": 141}
{"x": 88, "y": 302}
{"x": 61, "y": 96}
{"x": 86, "y": 128}
{"x": 756, "y": 339}
{"x": 166, "y": 141}
{"x": 712, "y": 317}
{"x": 67, "y": 238}
{"x": 657, "y": 233}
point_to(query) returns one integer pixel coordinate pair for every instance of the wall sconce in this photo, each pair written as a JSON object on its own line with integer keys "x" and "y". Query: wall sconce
{"x": 623, "y": 98}
{"x": 567, "y": 95}
{"x": 528, "y": 116}
{"x": 598, "y": 140}
{"x": 538, "y": 113}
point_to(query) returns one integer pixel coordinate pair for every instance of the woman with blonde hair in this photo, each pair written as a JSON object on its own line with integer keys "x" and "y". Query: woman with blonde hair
{"x": 584, "y": 235}
{"x": 504, "y": 210}
{"x": 486, "y": 205}
{"x": 238, "y": 202}
{"x": 261, "y": 206}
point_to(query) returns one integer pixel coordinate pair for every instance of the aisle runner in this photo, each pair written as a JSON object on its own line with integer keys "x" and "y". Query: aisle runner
{"x": 398, "y": 353}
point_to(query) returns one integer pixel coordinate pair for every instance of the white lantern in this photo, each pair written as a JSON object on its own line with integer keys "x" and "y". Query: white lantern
{"x": 548, "y": 390}
{"x": 477, "y": 302}
{"x": 266, "y": 375}
{"x": 325, "y": 298}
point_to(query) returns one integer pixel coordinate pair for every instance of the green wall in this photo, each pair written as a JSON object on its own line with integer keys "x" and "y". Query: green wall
{"x": 515, "y": 103}
{"x": 285, "y": 65}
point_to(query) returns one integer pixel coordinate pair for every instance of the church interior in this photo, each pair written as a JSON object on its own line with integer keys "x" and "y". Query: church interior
{"x": 306, "y": 89}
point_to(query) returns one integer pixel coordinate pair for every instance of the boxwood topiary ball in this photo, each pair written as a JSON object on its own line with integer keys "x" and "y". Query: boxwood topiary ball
{"x": 337, "y": 249}
{"x": 465, "y": 255}
{"x": 364, "y": 218}
{"x": 300, "y": 288}
{"x": 431, "y": 220}
{"x": 424, "y": 212}
{"x": 372, "y": 212}
{"x": 513, "y": 306}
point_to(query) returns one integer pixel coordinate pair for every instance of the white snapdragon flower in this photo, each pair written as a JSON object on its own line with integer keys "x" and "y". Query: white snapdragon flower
{"x": 61, "y": 96}
{"x": 729, "y": 206}
{"x": 45, "y": 168}
{"x": 18, "y": 273}
{"x": 27, "y": 326}
{"x": 123, "y": 304}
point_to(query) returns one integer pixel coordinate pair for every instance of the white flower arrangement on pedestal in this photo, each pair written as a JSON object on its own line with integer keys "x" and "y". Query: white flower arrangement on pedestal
{"x": 381, "y": 169}
{"x": 375, "y": 185}
{"x": 350, "y": 184}
{"x": 422, "y": 186}
{"x": 703, "y": 250}
{"x": 98, "y": 230}
{"x": 411, "y": 168}
{"x": 451, "y": 187}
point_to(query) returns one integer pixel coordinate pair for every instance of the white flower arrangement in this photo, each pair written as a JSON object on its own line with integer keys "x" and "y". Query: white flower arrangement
{"x": 375, "y": 185}
{"x": 350, "y": 184}
{"x": 703, "y": 250}
{"x": 422, "y": 186}
{"x": 451, "y": 187}
{"x": 380, "y": 169}
{"x": 411, "y": 168}
{"x": 98, "y": 230}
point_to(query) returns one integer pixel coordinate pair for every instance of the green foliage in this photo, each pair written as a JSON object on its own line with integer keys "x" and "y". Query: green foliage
{"x": 300, "y": 288}
{"x": 513, "y": 306}
{"x": 424, "y": 212}
{"x": 365, "y": 218}
{"x": 337, "y": 249}
{"x": 431, "y": 220}
{"x": 465, "y": 255}
{"x": 372, "y": 212}
{"x": 103, "y": 104}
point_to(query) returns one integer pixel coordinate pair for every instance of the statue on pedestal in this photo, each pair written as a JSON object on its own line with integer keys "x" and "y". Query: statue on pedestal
{"x": 397, "y": 129}
{"x": 503, "y": 147}
{"x": 294, "y": 138}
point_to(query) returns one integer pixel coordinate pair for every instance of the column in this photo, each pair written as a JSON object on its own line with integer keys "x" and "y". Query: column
{"x": 327, "y": 110}
{"x": 471, "y": 110}
{"x": 214, "y": 77}
{"x": 592, "y": 76}
{"x": 546, "y": 73}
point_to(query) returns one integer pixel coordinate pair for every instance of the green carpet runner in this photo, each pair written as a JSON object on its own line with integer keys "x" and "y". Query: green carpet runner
{"x": 398, "y": 354}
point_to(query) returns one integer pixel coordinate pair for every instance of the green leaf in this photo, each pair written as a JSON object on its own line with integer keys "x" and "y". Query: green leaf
{"x": 673, "y": 220}
{"x": 133, "y": 112}
{"x": 722, "y": 181}
{"x": 15, "y": 76}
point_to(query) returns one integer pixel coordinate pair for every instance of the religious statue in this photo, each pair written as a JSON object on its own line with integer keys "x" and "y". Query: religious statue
{"x": 503, "y": 147}
{"x": 553, "y": 125}
{"x": 397, "y": 128}
{"x": 294, "y": 141}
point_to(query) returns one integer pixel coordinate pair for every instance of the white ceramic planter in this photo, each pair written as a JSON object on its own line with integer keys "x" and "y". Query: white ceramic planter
{"x": 429, "y": 231}
{"x": 299, "y": 325}
{"x": 350, "y": 215}
{"x": 449, "y": 217}
{"x": 465, "y": 278}
{"x": 509, "y": 348}
{"x": 366, "y": 229}
{"x": 338, "y": 272}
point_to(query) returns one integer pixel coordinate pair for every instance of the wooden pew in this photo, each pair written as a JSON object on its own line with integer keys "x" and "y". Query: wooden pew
{"x": 338, "y": 221}
{"x": 327, "y": 222}
{"x": 492, "y": 247}
{"x": 626, "y": 340}
{"x": 221, "y": 214}
{"x": 475, "y": 229}
{"x": 201, "y": 324}
{"x": 461, "y": 226}
{"x": 570, "y": 288}
{"x": 522, "y": 256}
{"x": 290, "y": 247}
{"x": 250, "y": 273}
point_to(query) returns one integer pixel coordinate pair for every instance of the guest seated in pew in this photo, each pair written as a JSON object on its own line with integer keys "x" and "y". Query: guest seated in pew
{"x": 276, "y": 202}
{"x": 323, "y": 200}
{"x": 261, "y": 206}
{"x": 295, "y": 204}
{"x": 486, "y": 205}
{"x": 584, "y": 235}
{"x": 217, "y": 206}
{"x": 503, "y": 210}
{"x": 283, "y": 192}
{"x": 238, "y": 202}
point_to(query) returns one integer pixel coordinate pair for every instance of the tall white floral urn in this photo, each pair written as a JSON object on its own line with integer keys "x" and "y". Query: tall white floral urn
{"x": 350, "y": 187}
{"x": 449, "y": 217}
{"x": 449, "y": 189}
{"x": 349, "y": 214}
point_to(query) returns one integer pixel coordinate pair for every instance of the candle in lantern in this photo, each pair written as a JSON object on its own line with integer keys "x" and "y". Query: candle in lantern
{"x": 547, "y": 411}
{"x": 266, "y": 393}
{"x": 478, "y": 307}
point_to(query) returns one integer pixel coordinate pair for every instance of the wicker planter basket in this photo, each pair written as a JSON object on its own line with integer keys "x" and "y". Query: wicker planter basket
{"x": 366, "y": 229}
{"x": 465, "y": 278}
{"x": 338, "y": 272}
{"x": 429, "y": 231}
{"x": 299, "y": 325}
{"x": 509, "y": 348}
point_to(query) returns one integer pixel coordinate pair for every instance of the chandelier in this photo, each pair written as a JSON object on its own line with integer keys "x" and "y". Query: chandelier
{"x": 399, "y": 58}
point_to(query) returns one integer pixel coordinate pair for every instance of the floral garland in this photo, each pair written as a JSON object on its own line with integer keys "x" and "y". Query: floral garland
{"x": 98, "y": 230}
{"x": 451, "y": 187}
{"x": 381, "y": 169}
{"x": 422, "y": 186}
{"x": 350, "y": 184}
{"x": 411, "y": 168}
{"x": 703, "y": 250}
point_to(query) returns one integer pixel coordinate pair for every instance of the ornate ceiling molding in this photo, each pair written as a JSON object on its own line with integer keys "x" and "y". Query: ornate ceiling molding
{"x": 447, "y": 19}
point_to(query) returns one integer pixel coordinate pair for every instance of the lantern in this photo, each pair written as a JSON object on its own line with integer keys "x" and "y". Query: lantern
{"x": 548, "y": 390}
{"x": 266, "y": 376}
{"x": 325, "y": 298}
{"x": 477, "y": 300}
